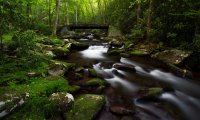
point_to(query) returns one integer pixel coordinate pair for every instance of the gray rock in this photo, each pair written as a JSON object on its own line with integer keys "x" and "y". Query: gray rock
{"x": 64, "y": 100}
{"x": 56, "y": 69}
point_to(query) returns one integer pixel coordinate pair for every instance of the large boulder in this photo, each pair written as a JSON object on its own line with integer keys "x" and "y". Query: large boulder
{"x": 173, "y": 56}
{"x": 63, "y": 100}
{"x": 86, "y": 107}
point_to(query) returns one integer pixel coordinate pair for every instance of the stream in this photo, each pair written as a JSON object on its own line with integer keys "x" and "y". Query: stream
{"x": 180, "y": 99}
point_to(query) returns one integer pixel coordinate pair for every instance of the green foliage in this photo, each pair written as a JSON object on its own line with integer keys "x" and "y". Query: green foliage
{"x": 196, "y": 43}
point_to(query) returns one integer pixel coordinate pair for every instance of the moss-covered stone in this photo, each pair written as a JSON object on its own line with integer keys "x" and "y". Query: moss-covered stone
{"x": 67, "y": 66}
{"x": 173, "y": 56}
{"x": 113, "y": 52}
{"x": 139, "y": 52}
{"x": 154, "y": 91}
{"x": 116, "y": 43}
{"x": 60, "y": 52}
{"x": 100, "y": 88}
{"x": 85, "y": 107}
{"x": 92, "y": 72}
{"x": 96, "y": 82}
{"x": 78, "y": 76}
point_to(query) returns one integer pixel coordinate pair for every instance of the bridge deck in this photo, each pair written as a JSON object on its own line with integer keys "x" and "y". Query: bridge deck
{"x": 86, "y": 26}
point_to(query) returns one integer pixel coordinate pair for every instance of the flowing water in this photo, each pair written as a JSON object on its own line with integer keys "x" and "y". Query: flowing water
{"x": 181, "y": 102}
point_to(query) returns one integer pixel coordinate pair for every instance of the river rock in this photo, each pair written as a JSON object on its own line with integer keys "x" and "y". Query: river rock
{"x": 124, "y": 67}
{"x": 116, "y": 43}
{"x": 79, "y": 46}
{"x": 56, "y": 69}
{"x": 86, "y": 107}
{"x": 151, "y": 92}
{"x": 115, "y": 51}
{"x": 11, "y": 102}
{"x": 139, "y": 52}
{"x": 63, "y": 100}
{"x": 173, "y": 56}
{"x": 95, "y": 82}
{"x": 60, "y": 52}
{"x": 59, "y": 67}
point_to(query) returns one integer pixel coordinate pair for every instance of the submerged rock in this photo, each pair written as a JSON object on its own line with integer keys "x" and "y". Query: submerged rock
{"x": 63, "y": 100}
{"x": 79, "y": 46}
{"x": 124, "y": 67}
{"x": 86, "y": 107}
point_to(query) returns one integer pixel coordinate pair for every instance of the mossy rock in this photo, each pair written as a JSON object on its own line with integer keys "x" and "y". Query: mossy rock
{"x": 78, "y": 76}
{"x": 113, "y": 52}
{"x": 139, "y": 52}
{"x": 60, "y": 52}
{"x": 173, "y": 56}
{"x": 79, "y": 46}
{"x": 116, "y": 43}
{"x": 86, "y": 107}
{"x": 92, "y": 72}
{"x": 154, "y": 91}
{"x": 100, "y": 88}
{"x": 68, "y": 66}
{"x": 96, "y": 82}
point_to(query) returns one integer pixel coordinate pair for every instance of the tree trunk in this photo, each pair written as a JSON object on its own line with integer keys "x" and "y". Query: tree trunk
{"x": 57, "y": 16}
{"x": 50, "y": 22}
{"x": 76, "y": 12}
{"x": 92, "y": 10}
{"x": 149, "y": 20}
{"x": 67, "y": 14}
{"x": 138, "y": 12}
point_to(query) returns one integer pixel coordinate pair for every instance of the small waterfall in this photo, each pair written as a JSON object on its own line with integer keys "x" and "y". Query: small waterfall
{"x": 95, "y": 52}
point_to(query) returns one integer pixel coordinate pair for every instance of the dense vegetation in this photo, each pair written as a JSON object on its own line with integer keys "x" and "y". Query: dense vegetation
{"x": 29, "y": 29}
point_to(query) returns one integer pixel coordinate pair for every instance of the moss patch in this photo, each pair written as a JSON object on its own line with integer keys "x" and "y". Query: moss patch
{"x": 95, "y": 82}
{"x": 86, "y": 107}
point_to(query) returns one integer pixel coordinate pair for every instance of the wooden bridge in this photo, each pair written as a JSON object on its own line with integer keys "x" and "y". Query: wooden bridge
{"x": 88, "y": 26}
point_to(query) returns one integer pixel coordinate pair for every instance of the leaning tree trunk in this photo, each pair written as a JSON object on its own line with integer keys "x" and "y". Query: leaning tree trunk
{"x": 57, "y": 16}
{"x": 149, "y": 19}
